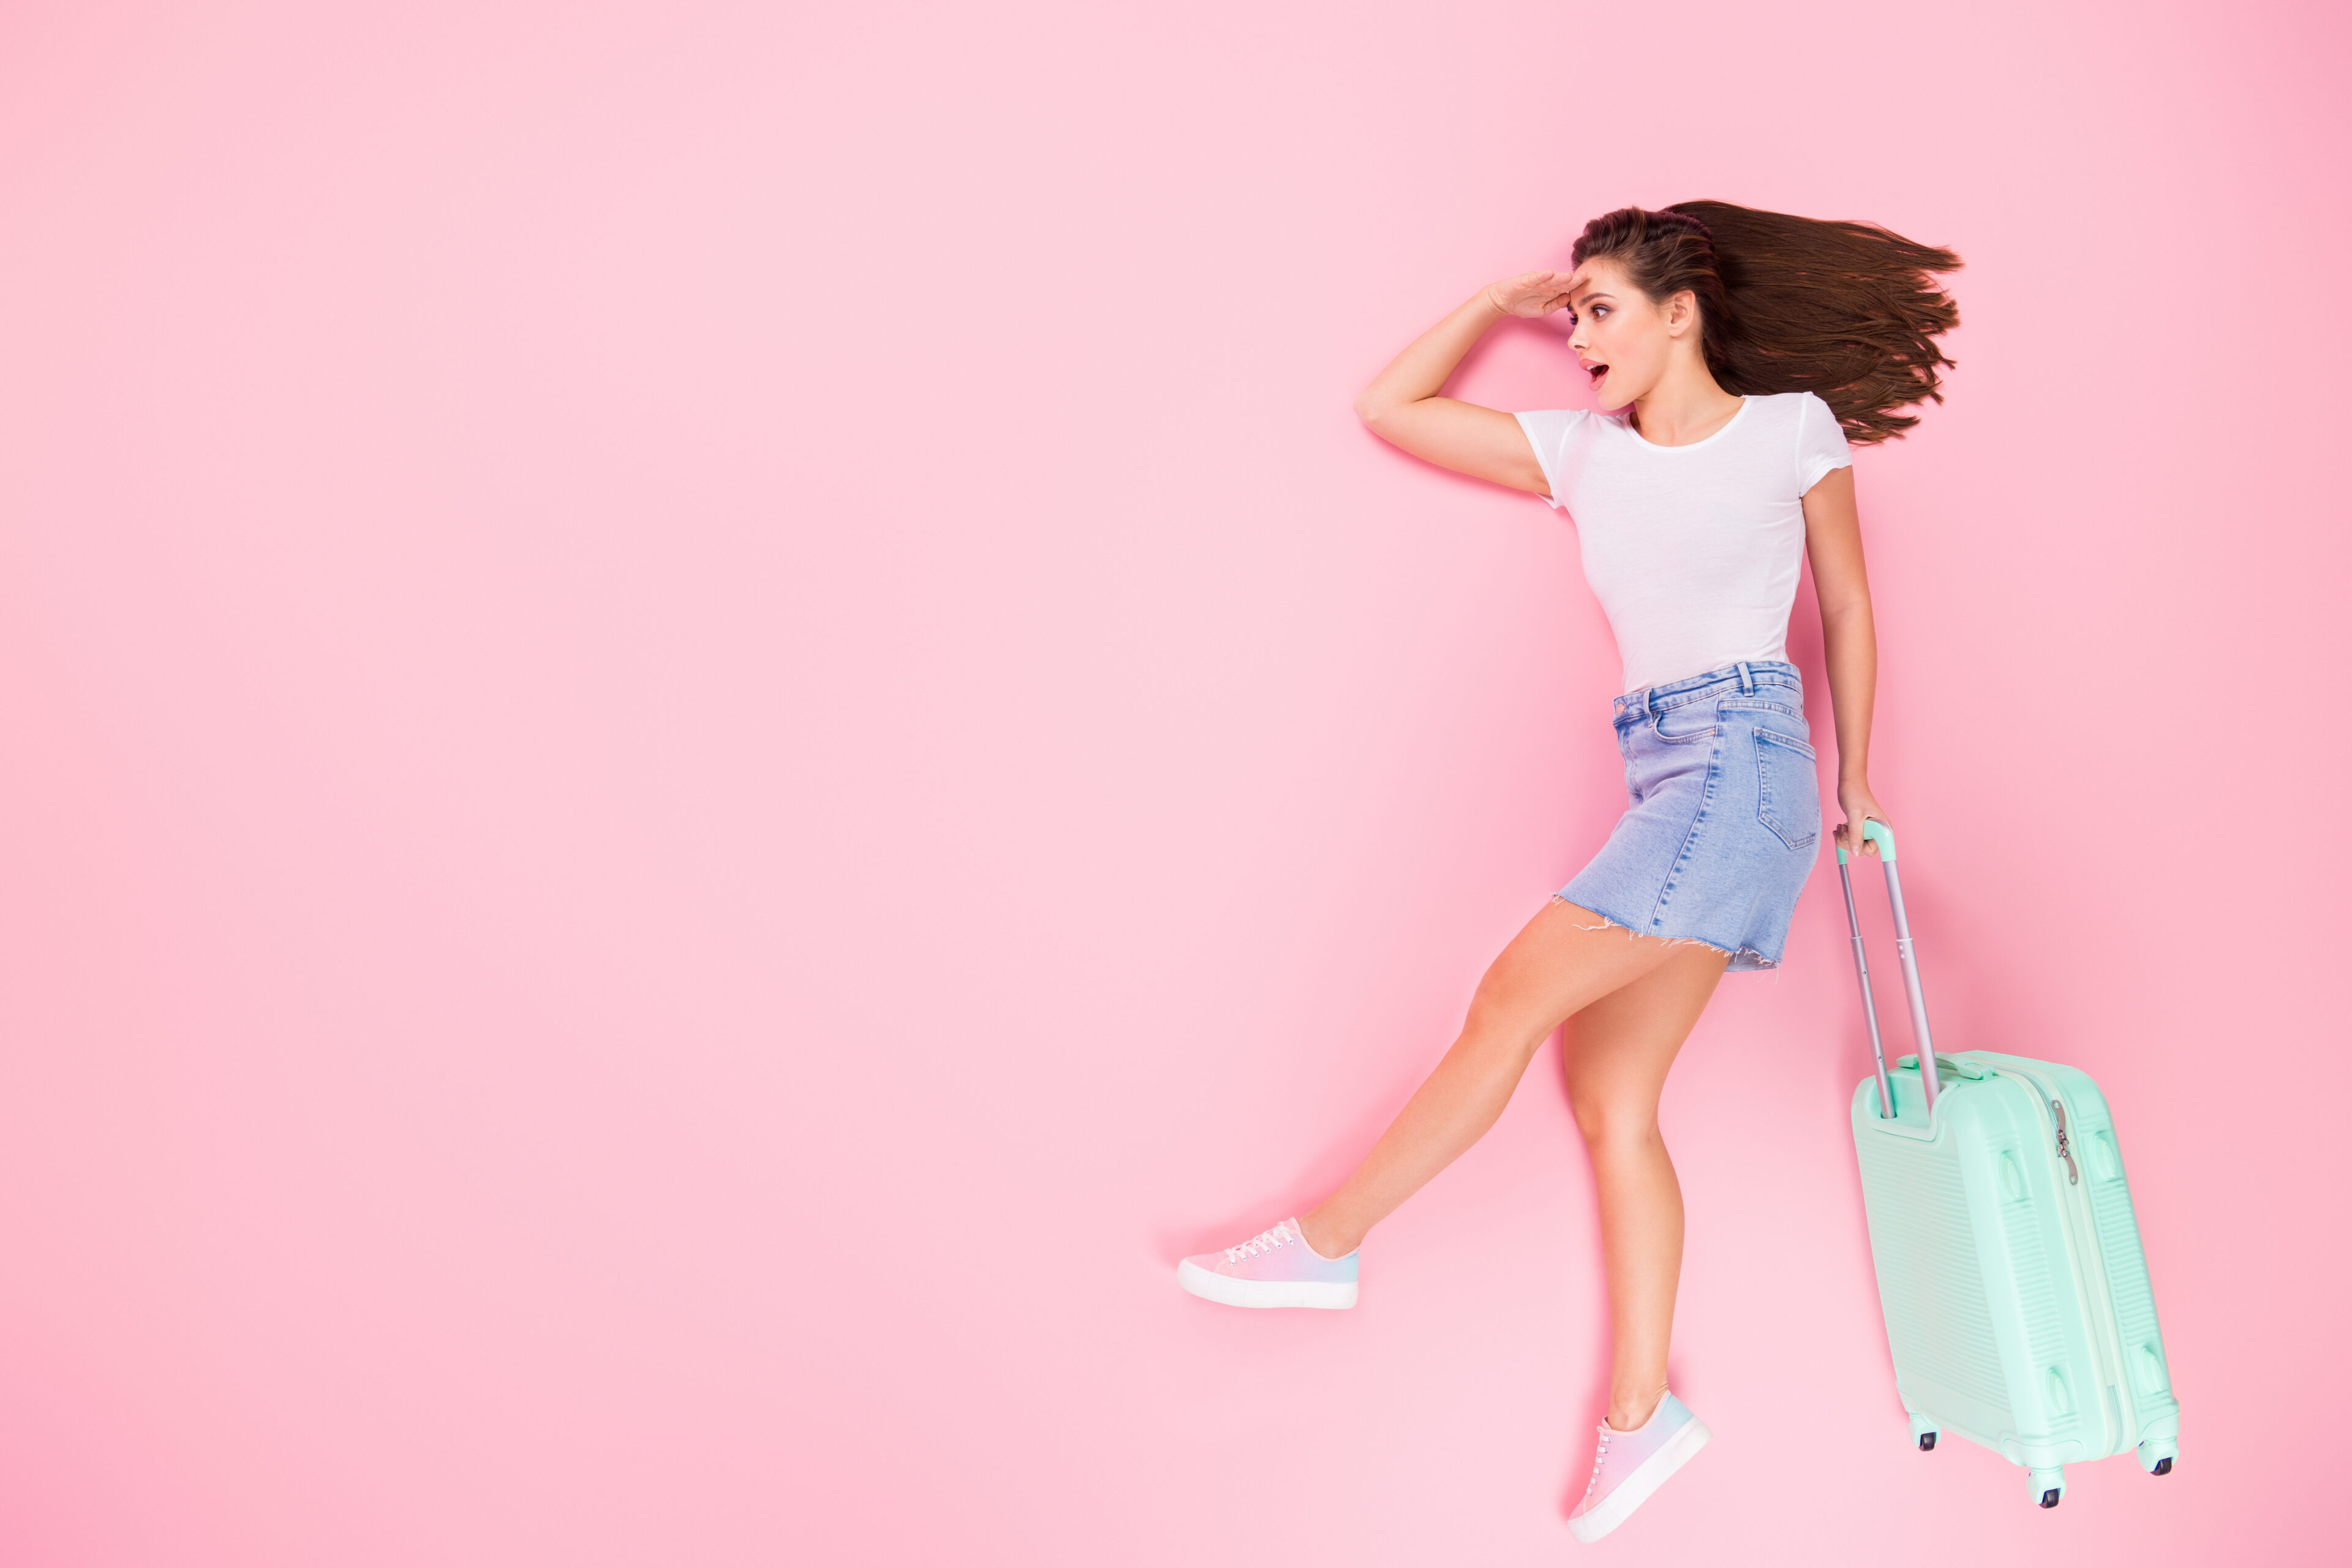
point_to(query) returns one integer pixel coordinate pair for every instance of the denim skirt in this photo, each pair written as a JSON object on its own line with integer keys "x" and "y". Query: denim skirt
{"x": 1722, "y": 818}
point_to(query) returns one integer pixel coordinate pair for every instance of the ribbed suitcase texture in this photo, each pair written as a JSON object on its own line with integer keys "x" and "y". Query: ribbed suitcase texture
{"x": 2016, "y": 1294}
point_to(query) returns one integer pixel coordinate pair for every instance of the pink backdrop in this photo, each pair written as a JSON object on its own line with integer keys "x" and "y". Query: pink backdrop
{"x": 709, "y": 722}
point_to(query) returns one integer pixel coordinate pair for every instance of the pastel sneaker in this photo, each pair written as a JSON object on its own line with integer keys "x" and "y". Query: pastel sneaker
{"x": 1631, "y": 1465}
{"x": 1274, "y": 1268}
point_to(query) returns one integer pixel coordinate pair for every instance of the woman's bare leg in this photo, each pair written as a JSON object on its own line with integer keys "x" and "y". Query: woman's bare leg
{"x": 1616, "y": 1052}
{"x": 1560, "y": 963}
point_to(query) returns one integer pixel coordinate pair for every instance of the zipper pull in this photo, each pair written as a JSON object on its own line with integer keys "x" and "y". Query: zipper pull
{"x": 2073, "y": 1176}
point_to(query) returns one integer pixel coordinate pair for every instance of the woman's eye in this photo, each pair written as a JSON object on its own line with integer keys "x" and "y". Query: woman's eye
{"x": 1599, "y": 312}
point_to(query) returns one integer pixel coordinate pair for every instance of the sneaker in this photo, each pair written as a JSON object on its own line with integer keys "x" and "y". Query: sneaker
{"x": 1276, "y": 1268}
{"x": 1631, "y": 1465}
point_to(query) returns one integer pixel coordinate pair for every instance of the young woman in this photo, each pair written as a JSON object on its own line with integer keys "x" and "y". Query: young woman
{"x": 1735, "y": 353}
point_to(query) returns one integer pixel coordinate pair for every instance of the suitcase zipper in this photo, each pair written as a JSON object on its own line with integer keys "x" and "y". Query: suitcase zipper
{"x": 2080, "y": 1226}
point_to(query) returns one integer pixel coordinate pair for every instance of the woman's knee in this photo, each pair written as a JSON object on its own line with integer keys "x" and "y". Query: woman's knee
{"x": 1503, "y": 1015}
{"x": 1611, "y": 1119}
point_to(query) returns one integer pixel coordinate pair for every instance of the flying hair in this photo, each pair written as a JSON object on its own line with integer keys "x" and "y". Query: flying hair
{"x": 1849, "y": 311}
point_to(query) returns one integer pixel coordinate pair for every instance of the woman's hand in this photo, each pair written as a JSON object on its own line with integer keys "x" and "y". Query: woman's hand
{"x": 1531, "y": 293}
{"x": 1856, "y": 801}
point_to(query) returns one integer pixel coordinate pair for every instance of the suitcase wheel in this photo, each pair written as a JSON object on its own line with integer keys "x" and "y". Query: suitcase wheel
{"x": 1927, "y": 1442}
{"x": 1924, "y": 1431}
{"x": 2046, "y": 1487}
{"x": 2050, "y": 1498}
{"x": 2156, "y": 1456}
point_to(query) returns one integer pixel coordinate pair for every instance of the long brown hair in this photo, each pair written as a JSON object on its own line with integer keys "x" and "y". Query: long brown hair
{"x": 1850, "y": 311}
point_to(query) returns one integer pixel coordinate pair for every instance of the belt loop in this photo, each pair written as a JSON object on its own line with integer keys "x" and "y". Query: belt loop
{"x": 1649, "y": 700}
{"x": 1747, "y": 681}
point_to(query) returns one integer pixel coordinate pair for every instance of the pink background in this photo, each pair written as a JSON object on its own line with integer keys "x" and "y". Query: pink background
{"x": 709, "y": 722}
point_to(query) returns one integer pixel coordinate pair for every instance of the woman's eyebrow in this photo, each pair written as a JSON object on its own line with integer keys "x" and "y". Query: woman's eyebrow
{"x": 1585, "y": 299}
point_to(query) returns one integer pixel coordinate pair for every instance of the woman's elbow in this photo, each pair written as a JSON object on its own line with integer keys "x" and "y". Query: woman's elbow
{"x": 1845, "y": 607}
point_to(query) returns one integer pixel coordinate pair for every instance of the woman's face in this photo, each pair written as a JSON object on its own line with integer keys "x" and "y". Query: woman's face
{"x": 1620, "y": 338}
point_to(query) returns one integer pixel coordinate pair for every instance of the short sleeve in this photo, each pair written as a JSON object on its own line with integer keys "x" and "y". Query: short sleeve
{"x": 1821, "y": 444}
{"x": 1547, "y": 431}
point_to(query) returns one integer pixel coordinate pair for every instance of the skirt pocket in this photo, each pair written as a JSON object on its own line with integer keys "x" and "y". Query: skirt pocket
{"x": 1789, "y": 790}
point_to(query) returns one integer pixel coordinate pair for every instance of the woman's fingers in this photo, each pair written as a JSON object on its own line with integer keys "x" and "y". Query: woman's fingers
{"x": 1533, "y": 293}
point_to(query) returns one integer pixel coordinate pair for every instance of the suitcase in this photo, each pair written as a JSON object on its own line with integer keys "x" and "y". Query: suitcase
{"x": 2017, "y": 1302}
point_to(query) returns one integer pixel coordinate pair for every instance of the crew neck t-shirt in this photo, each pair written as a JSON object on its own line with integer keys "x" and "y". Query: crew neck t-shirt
{"x": 1692, "y": 551}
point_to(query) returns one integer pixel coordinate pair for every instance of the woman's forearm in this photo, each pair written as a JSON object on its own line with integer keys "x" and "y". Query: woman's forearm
{"x": 1850, "y": 649}
{"x": 1421, "y": 369}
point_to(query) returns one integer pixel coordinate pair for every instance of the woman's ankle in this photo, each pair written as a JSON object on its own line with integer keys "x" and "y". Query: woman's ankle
{"x": 1325, "y": 1240}
{"x": 1630, "y": 1413}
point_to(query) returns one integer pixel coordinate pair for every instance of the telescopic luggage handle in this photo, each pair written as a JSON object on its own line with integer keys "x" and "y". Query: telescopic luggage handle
{"x": 1878, "y": 833}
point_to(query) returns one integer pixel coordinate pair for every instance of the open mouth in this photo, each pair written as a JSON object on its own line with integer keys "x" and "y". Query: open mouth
{"x": 1596, "y": 372}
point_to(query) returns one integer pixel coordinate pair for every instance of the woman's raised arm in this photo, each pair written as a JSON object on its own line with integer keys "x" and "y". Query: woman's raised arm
{"x": 1401, "y": 406}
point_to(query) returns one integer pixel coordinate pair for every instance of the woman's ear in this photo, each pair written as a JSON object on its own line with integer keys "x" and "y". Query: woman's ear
{"x": 1681, "y": 313}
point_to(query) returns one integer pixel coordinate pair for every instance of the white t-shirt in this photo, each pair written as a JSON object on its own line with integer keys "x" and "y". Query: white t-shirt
{"x": 1693, "y": 551}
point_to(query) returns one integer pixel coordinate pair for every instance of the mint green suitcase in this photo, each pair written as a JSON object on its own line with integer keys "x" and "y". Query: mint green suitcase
{"x": 2017, "y": 1302}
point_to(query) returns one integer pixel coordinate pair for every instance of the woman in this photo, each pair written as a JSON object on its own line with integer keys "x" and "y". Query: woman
{"x": 1734, "y": 354}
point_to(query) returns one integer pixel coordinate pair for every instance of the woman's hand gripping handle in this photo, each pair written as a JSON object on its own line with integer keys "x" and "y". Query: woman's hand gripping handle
{"x": 1861, "y": 808}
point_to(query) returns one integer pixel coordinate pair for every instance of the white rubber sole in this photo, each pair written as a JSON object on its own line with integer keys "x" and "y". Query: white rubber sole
{"x": 1635, "y": 1490}
{"x": 1235, "y": 1292}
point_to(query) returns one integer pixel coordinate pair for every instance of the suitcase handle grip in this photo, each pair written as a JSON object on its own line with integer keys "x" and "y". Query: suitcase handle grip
{"x": 1878, "y": 833}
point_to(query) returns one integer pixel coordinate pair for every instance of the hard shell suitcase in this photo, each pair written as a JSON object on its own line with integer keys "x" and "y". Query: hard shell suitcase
{"x": 2017, "y": 1302}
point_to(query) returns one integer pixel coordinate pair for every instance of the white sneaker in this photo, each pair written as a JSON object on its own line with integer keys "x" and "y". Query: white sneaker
{"x": 1631, "y": 1465}
{"x": 1274, "y": 1268}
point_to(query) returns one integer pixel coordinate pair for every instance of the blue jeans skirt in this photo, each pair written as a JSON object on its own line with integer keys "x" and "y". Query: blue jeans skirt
{"x": 1724, "y": 814}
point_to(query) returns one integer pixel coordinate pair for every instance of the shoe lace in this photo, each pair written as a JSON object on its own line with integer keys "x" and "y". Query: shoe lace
{"x": 1265, "y": 1241}
{"x": 1599, "y": 1458}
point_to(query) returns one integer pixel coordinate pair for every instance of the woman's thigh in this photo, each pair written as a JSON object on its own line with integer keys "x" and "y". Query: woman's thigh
{"x": 1563, "y": 961}
{"x": 1617, "y": 1049}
